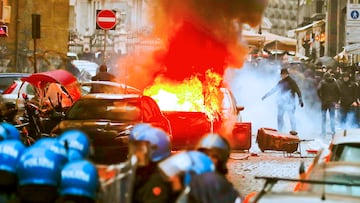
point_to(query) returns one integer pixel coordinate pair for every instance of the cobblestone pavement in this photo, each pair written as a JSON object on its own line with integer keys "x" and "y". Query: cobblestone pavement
{"x": 244, "y": 166}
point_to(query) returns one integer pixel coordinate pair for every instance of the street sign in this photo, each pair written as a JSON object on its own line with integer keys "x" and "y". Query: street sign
{"x": 106, "y": 19}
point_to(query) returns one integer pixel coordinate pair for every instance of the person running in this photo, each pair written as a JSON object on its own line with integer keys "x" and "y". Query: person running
{"x": 287, "y": 88}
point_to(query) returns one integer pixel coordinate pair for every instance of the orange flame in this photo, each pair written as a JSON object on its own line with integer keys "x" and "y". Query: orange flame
{"x": 189, "y": 95}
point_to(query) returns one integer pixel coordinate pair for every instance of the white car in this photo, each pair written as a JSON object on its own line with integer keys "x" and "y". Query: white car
{"x": 87, "y": 69}
{"x": 13, "y": 93}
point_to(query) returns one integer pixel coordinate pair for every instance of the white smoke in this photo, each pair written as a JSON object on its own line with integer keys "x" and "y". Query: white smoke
{"x": 250, "y": 83}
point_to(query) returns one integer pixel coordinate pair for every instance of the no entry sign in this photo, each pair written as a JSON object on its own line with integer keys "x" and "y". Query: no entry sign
{"x": 106, "y": 19}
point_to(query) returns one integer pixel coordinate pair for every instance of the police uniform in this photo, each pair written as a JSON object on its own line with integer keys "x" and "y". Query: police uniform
{"x": 150, "y": 186}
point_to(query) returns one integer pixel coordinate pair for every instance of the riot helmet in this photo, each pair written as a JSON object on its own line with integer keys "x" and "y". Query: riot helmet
{"x": 77, "y": 140}
{"x": 186, "y": 164}
{"x": 217, "y": 148}
{"x": 39, "y": 166}
{"x": 79, "y": 178}
{"x": 137, "y": 129}
{"x": 54, "y": 145}
{"x": 10, "y": 152}
{"x": 159, "y": 143}
{"x": 11, "y": 131}
{"x": 3, "y": 133}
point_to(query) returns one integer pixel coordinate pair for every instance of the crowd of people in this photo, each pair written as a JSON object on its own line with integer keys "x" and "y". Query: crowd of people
{"x": 60, "y": 169}
{"x": 333, "y": 91}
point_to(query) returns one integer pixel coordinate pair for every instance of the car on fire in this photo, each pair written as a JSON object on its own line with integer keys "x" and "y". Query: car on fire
{"x": 108, "y": 119}
{"x": 189, "y": 126}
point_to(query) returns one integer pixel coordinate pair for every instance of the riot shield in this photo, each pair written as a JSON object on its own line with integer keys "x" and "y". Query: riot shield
{"x": 117, "y": 181}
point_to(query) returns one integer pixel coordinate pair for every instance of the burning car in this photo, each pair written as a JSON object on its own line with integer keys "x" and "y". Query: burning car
{"x": 194, "y": 110}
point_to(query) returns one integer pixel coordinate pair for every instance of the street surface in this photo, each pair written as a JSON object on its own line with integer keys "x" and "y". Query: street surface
{"x": 244, "y": 166}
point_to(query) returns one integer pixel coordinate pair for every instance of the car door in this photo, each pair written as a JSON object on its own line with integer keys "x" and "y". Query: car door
{"x": 153, "y": 115}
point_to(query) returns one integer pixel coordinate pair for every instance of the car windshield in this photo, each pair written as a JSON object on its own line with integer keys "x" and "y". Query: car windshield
{"x": 124, "y": 110}
{"x": 346, "y": 152}
{"x": 339, "y": 189}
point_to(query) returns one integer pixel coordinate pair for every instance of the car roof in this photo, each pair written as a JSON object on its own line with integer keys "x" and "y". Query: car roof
{"x": 341, "y": 167}
{"x": 347, "y": 136}
{"x": 110, "y": 83}
{"x": 14, "y": 74}
{"x": 111, "y": 96}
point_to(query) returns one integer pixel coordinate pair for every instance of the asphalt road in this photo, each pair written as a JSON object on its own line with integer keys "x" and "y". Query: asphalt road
{"x": 244, "y": 166}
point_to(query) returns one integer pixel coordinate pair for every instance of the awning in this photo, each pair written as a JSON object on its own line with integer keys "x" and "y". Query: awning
{"x": 270, "y": 40}
{"x": 352, "y": 48}
{"x": 280, "y": 45}
{"x": 62, "y": 77}
{"x": 306, "y": 27}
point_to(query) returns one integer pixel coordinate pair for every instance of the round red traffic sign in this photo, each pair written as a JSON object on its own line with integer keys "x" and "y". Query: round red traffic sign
{"x": 106, "y": 19}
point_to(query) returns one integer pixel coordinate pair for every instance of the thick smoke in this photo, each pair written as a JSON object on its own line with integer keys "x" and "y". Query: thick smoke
{"x": 196, "y": 35}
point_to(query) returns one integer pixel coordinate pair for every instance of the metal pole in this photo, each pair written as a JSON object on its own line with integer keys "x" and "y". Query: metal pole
{"x": 105, "y": 39}
{"x": 35, "y": 68}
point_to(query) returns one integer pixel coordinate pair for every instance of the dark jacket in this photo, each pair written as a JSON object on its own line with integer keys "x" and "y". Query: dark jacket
{"x": 103, "y": 76}
{"x": 328, "y": 90}
{"x": 348, "y": 92}
{"x": 287, "y": 89}
{"x": 150, "y": 186}
{"x": 212, "y": 187}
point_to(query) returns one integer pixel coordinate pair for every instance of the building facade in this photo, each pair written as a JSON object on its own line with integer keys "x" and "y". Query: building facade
{"x": 17, "y": 49}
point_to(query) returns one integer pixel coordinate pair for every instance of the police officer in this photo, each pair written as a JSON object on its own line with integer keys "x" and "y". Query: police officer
{"x": 79, "y": 182}
{"x": 10, "y": 152}
{"x": 39, "y": 171}
{"x": 214, "y": 187}
{"x": 180, "y": 169}
{"x": 77, "y": 143}
{"x": 217, "y": 148}
{"x": 150, "y": 145}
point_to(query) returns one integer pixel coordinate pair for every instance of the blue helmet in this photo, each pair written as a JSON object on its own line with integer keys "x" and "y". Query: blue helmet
{"x": 40, "y": 166}
{"x": 3, "y": 133}
{"x": 54, "y": 145}
{"x": 137, "y": 129}
{"x": 216, "y": 142}
{"x": 11, "y": 131}
{"x": 10, "y": 152}
{"x": 159, "y": 143}
{"x": 188, "y": 163}
{"x": 79, "y": 178}
{"x": 76, "y": 140}
{"x": 74, "y": 155}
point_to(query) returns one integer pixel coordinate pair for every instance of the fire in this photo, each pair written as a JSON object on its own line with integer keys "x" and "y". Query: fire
{"x": 189, "y": 95}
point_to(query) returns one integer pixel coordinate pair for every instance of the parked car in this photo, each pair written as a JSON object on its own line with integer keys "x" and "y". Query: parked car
{"x": 12, "y": 92}
{"x": 108, "y": 119}
{"x": 337, "y": 172}
{"x": 6, "y": 79}
{"x": 331, "y": 184}
{"x": 344, "y": 148}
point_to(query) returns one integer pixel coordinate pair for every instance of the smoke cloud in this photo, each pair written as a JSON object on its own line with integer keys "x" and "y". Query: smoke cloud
{"x": 195, "y": 35}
